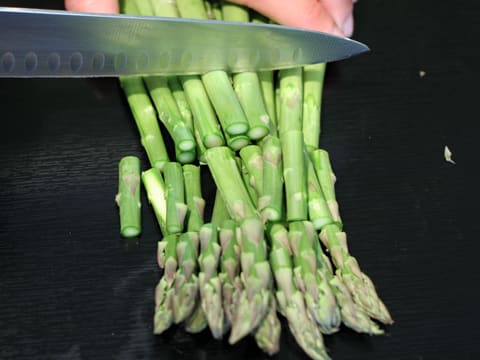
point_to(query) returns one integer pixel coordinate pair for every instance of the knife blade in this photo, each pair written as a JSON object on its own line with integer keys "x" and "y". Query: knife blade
{"x": 55, "y": 43}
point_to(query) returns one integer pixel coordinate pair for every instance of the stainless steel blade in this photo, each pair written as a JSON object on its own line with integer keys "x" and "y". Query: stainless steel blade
{"x": 43, "y": 43}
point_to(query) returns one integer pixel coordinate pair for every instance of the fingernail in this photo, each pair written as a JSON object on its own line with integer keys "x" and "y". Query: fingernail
{"x": 347, "y": 26}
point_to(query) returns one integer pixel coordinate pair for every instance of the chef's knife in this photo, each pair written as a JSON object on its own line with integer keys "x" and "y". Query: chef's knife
{"x": 46, "y": 43}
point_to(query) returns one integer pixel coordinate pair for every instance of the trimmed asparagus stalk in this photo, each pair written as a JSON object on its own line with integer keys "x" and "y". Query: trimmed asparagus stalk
{"x": 360, "y": 286}
{"x": 230, "y": 270}
{"x": 319, "y": 298}
{"x": 237, "y": 142}
{"x": 225, "y": 102}
{"x": 186, "y": 280}
{"x": 209, "y": 281}
{"x": 128, "y": 196}
{"x": 176, "y": 207}
{"x": 249, "y": 92}
{"x": 290, "y": 299}
{"x": 270, "y": 203}
{"x": 156, "y": 193}
{"x": 169, "y": 113}
{"x": 252, "y": 158}
{"x": 313, "y": 76}
{"x": 204, "y": 118}
{"x": 146, "y": 120}
{"x": 229, "y": 182}
{"x": 256, "y": 277}
{"x": 247, "y": 84}
{"x": 327, "y": 179}
{"x": 164, "y": 291}
{"x": 294, "y": 170}
{"x": 194, "y": 198}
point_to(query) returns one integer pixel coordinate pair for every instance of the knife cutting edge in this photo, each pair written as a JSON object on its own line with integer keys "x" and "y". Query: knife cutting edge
{"x": 55, "y": 43}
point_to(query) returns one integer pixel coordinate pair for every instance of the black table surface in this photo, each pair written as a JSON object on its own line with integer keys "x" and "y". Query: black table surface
{"x": 72, "y": 288}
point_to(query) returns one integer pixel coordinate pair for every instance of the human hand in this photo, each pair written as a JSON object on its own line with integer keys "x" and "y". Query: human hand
{"x": 333, "y": 16}
{"x": 94, "y": 6}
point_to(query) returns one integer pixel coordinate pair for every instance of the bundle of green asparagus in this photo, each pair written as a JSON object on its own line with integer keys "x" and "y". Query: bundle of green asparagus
{"x": 274, "y": 243}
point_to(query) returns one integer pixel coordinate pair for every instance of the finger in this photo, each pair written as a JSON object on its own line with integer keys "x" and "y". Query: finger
{"x": 309, "y": 14}
{"x": 93, "y": 6}
{"x": 342, "y": 12}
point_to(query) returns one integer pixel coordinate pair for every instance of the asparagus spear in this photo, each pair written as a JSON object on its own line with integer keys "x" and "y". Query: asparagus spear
{"x": 291, "y": 100}
{"x": 319, "y": 298}
{"x": 313, "y": 76}
{"x": 209, "y": 281}
{"x": 270, "y": 202}
{"x": 318, "y": 209}
{"x": 181, "y": 100}
{"x": 176, "y": 207}
{"x": 266, "y": 78}
{"x": 294, "y": 170}
{"x": 128, "y": 196}
{"x": 327, "y": 179}
{"x": 352, "y": 315}
{"x": 247, "y": 181}
{"x": 230, "y": 270}
{"x": 229, "y": 182}
{"x": 219, "y": 211}
{"x": 268, "y": 93}
{"x": 290, "y": 299}
{"x": 254, "y": 299}
{"x": 146, "y": 120}
{"x": 267, "y": 335}
{"x": 360, "y": 286}
{"x": 197, "y": 321}
{"x": 194, "y": 198}
{"x": 251, "y": 156}
{"x": 164, "y": 291}
{"x": 186, "y": 280}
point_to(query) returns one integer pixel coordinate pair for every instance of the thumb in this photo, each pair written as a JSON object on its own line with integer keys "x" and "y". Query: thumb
{"x": 309, "y": 14}
{"x": 93, "y": 6}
